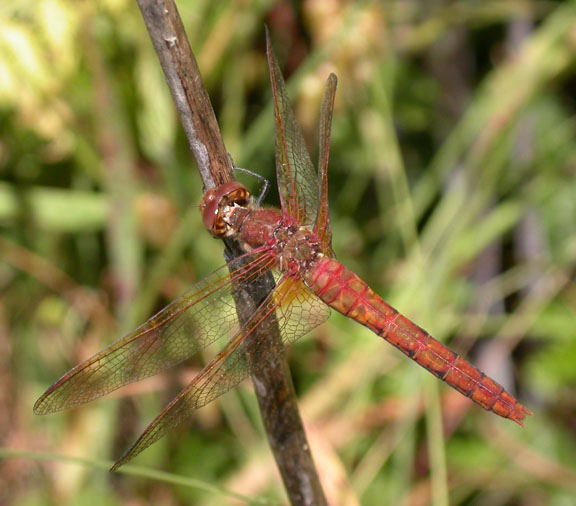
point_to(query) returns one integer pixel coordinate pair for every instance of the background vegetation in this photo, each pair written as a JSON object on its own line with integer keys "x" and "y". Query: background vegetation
{"x": 453, "y": 193}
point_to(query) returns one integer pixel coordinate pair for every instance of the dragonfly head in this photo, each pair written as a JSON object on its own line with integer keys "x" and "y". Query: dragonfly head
{"x": 219, "y": 203}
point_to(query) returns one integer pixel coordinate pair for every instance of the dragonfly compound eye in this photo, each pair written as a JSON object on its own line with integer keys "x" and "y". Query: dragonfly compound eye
{"x": 240, "y": 197}
{"x": 210, "y": 210}
{"x": 219, "y": 204}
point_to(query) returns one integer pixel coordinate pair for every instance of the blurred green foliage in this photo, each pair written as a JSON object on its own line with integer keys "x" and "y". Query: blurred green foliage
{"x": 453, "y": 192}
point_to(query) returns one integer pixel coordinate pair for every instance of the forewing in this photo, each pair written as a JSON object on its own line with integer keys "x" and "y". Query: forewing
{"x": 297, "y": 311}
{"x": 322, "y": 226}
{"x": 198, "y": 318}
{"x": 297, "y": 180}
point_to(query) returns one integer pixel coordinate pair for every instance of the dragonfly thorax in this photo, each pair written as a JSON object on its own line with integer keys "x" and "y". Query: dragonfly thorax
{"x": 298, "y": 249}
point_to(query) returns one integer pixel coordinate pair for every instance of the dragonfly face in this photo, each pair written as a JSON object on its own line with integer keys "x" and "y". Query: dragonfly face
{"x": 219, "y": 204}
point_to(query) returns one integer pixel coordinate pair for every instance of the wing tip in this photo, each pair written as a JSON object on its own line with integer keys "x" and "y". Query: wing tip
{"x": 42, "y": 406}
{"x": 268, "y": 40}
{"x": 38, "y": 408}
{"x": 116, "y": 466}
{"x": 131, "y": 452}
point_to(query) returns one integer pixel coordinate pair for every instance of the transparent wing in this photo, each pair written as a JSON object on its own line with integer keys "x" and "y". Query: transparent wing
{"x": 297, "y": 179}
{"x": 198, "y": 318}
{"x": 322, "y": 225}
{"x": 297, "y": 311}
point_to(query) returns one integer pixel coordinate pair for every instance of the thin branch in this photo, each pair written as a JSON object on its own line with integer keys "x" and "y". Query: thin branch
{"x": 272, "y": 383}
{"x": 192, "y": 101}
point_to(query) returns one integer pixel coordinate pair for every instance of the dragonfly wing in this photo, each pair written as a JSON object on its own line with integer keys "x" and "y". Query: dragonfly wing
{"x": 297, "y": 179}
{"x": 198, "y": 318}
{"x": 297, "y": 311}
{"x": 322, "y": 224}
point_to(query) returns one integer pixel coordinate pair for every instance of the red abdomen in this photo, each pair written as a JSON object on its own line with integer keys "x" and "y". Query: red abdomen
{"x": 342, "y": 290}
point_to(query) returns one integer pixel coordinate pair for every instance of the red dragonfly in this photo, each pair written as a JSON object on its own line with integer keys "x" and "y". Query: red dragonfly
{"x": 295, "y": 244}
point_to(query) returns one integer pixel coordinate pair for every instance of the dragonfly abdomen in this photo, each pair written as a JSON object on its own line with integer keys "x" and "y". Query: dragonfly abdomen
{"x": 342, "y": 290}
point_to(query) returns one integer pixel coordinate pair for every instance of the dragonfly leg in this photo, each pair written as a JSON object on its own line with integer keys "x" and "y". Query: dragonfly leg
{"x": 265, "y": 182}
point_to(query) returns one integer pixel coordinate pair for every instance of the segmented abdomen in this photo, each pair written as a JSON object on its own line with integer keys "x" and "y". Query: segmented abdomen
{"x": 342, "y": 290}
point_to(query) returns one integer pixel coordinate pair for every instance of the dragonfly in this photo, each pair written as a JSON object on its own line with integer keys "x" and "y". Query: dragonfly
{"x": 293, "y": 243}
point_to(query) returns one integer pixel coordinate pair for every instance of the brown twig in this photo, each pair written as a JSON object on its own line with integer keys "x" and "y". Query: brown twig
{"x": 273, "y": 384}
{"x": 192, "y": 101}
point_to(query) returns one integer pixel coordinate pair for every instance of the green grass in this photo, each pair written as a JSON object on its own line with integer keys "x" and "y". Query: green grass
{"x": 452, "y": 193}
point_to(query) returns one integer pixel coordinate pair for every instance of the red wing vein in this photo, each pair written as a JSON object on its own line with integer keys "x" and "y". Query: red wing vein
{"x": 297, "y": 179}
{"x": 198, "y": 318}
{"x": 322, "y": 224}
{"x": 297, "y": 311}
